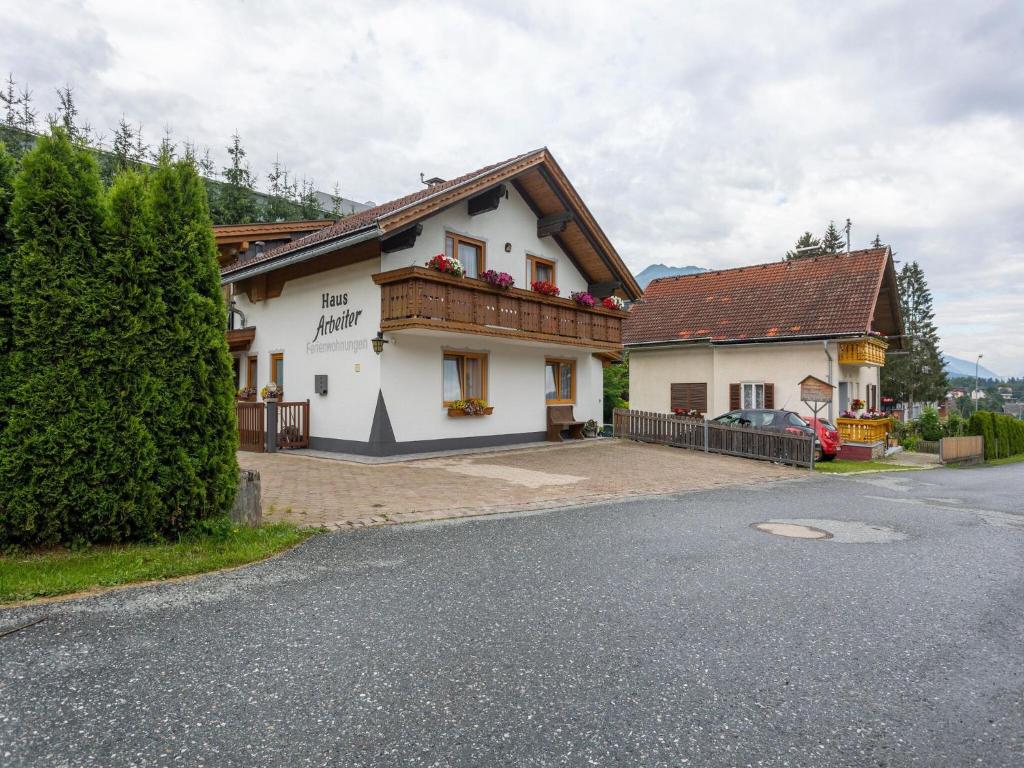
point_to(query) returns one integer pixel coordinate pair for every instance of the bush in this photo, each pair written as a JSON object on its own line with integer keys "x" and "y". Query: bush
{"x": 1003, "y": 434}
{"x": 928, "y": 425}
{"x": 955, "y": 425}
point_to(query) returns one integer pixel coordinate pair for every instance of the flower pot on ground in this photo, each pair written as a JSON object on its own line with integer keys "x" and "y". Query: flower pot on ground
{"x": 590, "y": 429}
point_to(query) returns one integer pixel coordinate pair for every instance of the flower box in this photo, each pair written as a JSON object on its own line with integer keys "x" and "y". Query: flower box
{"x": 449, "y": 266}
{"x": 458, "y": 413}
{"x": 543, "y": 286}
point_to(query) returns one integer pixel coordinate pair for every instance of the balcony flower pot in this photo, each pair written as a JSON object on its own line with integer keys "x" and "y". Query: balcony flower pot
{"x": 446, "y": 265}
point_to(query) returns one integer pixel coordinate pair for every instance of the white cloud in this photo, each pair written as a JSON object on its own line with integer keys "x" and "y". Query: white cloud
{"x": 699, "y": 133}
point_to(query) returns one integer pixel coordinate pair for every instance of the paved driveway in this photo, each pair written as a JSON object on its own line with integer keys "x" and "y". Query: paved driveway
{"x": 665, "y": 632}
{"x": 336, "y": 494}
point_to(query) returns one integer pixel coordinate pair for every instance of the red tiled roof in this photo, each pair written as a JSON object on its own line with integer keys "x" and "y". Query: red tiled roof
{"x": 365, "y": 219}
{"x": 819, "y": 296}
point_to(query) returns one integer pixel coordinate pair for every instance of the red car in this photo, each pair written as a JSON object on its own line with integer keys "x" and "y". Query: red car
{"x": 828, "y": 436}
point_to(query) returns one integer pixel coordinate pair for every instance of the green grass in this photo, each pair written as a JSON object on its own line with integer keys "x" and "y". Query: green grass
{"x": 1017, "y": 457}
{"x": 59, "y": 572}
{"x": 841, "y": 467}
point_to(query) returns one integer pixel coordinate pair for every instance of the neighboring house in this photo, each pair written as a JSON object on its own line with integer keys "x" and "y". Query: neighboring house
{"x": 1014, "y": 409}
{"x": 744, "y": 338}
{"x": 317, "y": 307}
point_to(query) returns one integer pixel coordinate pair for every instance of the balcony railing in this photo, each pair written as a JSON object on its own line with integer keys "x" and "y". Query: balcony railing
{"x": 863, "y": 430}
{"x": 415, "y": 297}
{"x": 867, "y": 351}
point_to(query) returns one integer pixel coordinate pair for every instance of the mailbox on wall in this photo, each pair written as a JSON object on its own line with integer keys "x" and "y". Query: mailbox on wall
{"x": 320, "y": 383}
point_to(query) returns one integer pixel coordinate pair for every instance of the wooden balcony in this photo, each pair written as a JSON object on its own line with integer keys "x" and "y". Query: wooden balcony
{"x": 415, "y": 297}
{"x": 863, "y": 430}
{"x": 867, "y": 351}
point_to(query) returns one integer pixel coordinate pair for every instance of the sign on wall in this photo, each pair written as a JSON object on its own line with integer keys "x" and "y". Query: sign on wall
{"x": 336, "y": 316}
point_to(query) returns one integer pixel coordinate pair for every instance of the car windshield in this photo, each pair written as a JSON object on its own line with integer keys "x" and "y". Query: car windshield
{"x": 733, "y": 417}
{"x": 795, "y": 421}
{"x": 828, "y": 425}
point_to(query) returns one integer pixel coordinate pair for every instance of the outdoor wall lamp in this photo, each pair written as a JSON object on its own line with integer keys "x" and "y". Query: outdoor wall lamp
{"x": 378, "y": 342}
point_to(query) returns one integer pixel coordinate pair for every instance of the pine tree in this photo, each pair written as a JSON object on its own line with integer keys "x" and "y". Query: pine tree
{"x": 832, "y": 241}
{"x": 806, "y": 240}
{"x": 278, "y": 207}
{"x": 120, "y": 157}
{"x": 309, "y": 204}
{"x": 237, "y": 204}
{"x": 71, "y": 451}
{"x": 27, "y": 116}
{"x": 336, "y": 202}
{"x": 67, "y": 115}
{"x": 9, "y": 99}
{"x": 916, "y": 373}
{"x": 7, "y": 169}
{"x": 877, "y": 242}
{"x": 195, "y": 424}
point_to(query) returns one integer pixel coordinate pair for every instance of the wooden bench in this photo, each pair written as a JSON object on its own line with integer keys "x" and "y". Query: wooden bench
{"x": 560, "y": 417}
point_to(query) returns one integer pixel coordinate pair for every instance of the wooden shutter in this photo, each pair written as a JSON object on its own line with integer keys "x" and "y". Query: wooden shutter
{"x": 692, "y": 396}
{"x": 734, "y": 397}
{"x": 769, "y": 396}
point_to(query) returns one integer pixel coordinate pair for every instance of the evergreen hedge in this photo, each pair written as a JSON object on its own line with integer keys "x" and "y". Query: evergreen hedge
{"x": 1003, "y": 434}
{"x": 7, "y": 169}
{"x": 120, "y": 423}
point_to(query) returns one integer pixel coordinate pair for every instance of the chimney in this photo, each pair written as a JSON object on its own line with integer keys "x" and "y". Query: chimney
{"x": 432, "y": 182}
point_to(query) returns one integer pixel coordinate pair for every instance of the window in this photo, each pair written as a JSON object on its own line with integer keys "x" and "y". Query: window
{"x": 277, "y": 369}
{"x": 464, "y": 376}
{"x": 689, "y": 397}
{"x": 470, "y": 252}
{"x": 560, "y": 381}
{"x": 540, "y": 269}
{"x": 753, "y": 396}
{"x": 252, "y": 367}
{"x": 871, "y": 391}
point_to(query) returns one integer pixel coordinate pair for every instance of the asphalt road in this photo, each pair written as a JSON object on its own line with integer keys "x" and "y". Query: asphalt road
{"x": 652, "y": 632}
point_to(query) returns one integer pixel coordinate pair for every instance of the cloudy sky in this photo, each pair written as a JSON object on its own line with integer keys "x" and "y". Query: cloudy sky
{"x": 699, "y": 133}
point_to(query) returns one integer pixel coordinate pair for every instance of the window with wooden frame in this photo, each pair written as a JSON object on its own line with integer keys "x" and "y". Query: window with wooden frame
{"x": 540, "y": 269}
{"x": 277, "y": 369}
{"x": 560, "y": 382}
{"x": 751, "y": 396}
{"x": 251, "y": 369}
{"x": 472, "y": 253}
{"x": 464, "y": 376}
{"x": 689, "y": 397}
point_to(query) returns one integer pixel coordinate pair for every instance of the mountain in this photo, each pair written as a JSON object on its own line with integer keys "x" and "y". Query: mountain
{"x": 654, "y": 271}
{"x": 956, "y": 366}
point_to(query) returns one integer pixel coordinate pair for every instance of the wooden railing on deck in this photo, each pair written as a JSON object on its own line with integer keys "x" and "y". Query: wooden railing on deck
{"x": 417, "y": 297}
{"x": 867, "y": 351}
{"x": 863, "y": 430}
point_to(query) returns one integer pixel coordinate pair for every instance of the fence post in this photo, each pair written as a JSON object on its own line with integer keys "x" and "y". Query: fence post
{"x": 705, "y": 434}
{"x": 271, "y": 426}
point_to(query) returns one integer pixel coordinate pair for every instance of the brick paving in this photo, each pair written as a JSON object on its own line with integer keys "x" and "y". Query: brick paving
{"x": 319, "y": 492}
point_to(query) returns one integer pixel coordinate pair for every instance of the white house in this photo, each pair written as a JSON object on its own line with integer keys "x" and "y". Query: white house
{"x": 309, "y": 314}
{"x": 744, "y": 338}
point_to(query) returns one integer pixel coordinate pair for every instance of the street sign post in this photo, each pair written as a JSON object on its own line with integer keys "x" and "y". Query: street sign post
{"x": 816, "y": 394}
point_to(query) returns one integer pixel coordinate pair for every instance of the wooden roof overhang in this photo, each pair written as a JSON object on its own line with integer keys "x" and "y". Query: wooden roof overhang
{"x": 886, "y": 316}
{"x": 560, "y": 212}
{"x": 240, "y": 339}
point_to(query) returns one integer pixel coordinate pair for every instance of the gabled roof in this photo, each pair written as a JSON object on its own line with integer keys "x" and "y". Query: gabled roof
{"x": 844, "y": 294}
{"x": 537, "y": 178}
{"x": 266, "y": 230}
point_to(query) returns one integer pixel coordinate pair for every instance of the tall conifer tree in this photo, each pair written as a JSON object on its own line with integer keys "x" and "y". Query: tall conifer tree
{"x": 832, "y": 241}
{"x": 7, "y": 169}
{"x": 72, "y": 448}
{"x": 195, "y": 423}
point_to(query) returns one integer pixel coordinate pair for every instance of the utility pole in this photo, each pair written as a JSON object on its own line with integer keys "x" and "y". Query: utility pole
{"x": 848, "y": 227}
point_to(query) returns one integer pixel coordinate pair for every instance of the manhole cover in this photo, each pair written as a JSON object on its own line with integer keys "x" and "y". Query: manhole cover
{"x": 792, "y": 530}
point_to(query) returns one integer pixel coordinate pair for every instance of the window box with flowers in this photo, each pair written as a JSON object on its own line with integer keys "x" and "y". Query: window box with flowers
{"x": 447, "y": 265}
{"x": 614, "y": 302}
{"x": 247, "y": 394}
{"x": 471, "y": 407}
{"x": 544, "y": 287}
{"x": 501, "y": 280}
{"x": 687, "y": 413}
{"x": 584, "y": 299}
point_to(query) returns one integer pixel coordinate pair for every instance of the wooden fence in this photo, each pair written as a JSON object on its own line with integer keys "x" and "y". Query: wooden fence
{"x": 969, "y": 448}
{"x": 709, "y": 436}
{"x": 293, "y": 425}
{"x": 252, "y": 423}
